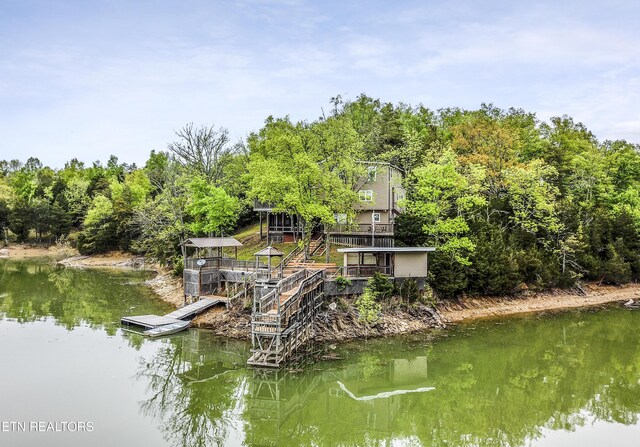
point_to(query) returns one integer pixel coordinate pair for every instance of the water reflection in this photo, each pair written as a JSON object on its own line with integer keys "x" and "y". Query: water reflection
{"x": 497, "y": 385}
{"x": 506, "y": 384}
{"x": 195, "y": 385}
{"x": 35, "y": 290}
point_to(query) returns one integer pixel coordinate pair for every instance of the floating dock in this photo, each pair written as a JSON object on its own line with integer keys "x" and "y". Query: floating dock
{"x": 177, "y": 316}
{"x": 149, "y": 321}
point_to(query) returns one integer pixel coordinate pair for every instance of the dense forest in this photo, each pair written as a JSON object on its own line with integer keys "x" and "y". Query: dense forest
{"x": 510, "y": 202}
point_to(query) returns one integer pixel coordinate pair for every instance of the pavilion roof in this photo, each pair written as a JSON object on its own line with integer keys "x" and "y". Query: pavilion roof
{"x": 212, "y": 242}
{"x": 269, "y": 251}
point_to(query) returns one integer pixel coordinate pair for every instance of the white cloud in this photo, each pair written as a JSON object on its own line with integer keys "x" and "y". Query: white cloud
{"x": 77, "y": 93}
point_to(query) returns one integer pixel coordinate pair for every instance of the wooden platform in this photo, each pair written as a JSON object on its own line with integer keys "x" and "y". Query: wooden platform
{"x": 193, "y": 309}
{"x": 184, "y": 313}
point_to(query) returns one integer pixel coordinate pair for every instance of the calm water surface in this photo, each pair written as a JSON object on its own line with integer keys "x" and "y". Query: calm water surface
{"x": 561, "y": 380}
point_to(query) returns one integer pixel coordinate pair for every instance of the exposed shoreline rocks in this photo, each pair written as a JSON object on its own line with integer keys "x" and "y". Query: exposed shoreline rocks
{"x": 342, "y": 323}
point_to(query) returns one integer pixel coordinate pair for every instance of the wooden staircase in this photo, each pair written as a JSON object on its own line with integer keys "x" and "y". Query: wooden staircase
{"x": 317, "y": 247}
{"x": 282, "y": 320}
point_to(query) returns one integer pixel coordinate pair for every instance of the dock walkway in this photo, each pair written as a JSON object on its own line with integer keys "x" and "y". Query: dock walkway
{"x": 184, "y": 313}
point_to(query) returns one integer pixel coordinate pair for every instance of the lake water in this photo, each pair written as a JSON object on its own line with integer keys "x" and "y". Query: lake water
{"x": 557, "y": 380}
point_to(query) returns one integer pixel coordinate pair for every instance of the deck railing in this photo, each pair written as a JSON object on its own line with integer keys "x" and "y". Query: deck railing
{"x": 262, "y": 206}
{"x": 223, "y": 263}
{"x": 363, "y": 271}
{"x": 248, "y": 283}
{"x": 292, "y": 254}
{"x": 286, "y": 309}
{"x": 267, "y": 302}
{"x": 363, "y": 228}
{"x": 270, "y": 300}
{"x": 292, "y": 280}
{"x": 275, "y": 228}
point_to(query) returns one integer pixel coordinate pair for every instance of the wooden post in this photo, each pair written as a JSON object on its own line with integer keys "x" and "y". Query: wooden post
{"x": 327, "y": 248}
{"x": 260, "y": 213}
{"x": 373, "y": 229}
{"x": 199, "y": 281}
{"x": 268, "y": 223}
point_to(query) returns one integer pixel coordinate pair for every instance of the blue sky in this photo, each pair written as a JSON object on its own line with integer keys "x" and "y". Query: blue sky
{"x": 87, "y": 78}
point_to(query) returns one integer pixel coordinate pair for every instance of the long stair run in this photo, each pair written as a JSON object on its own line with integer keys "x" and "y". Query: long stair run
{"x": 282, "y": 319}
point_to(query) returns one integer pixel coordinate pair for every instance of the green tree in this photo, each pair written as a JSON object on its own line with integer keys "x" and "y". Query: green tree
{"x": 99, "y": 233}
{"x": 306, "y": 170}
{"x": 212, "y": 210}
{"x": 369, "y": 310}
{"x": 444, "y": 197}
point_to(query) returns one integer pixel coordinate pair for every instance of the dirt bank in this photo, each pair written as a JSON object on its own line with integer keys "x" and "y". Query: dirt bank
{"x": 455, "y": 311}
{"x": 114, "y": 259}
{"x": 342, "y": 324}
{"x": 167, "y": 287}
{"x": 25, "y": 251}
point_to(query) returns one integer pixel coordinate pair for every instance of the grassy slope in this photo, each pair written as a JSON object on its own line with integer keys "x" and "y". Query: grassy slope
{"x": 250, "y": 237}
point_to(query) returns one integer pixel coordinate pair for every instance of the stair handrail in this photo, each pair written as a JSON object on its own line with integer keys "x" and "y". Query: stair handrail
{"x": 288, "y": 283}
{"x": 292, "y": 254}
{"x": 247, "y": 282}
{"x": 318, "y": 275}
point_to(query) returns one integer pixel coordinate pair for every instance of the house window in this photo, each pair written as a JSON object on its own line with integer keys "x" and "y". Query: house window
{"x": 353, "y": 259}
{"x": 369, "y": 259}
{"x": 341, "y": 218}
{"x": 371, "y": 173}
{"x": 366, "y": 195}
{"x": 376, "y": 217}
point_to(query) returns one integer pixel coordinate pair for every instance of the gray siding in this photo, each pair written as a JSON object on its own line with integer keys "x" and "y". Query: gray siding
{"x": 387, "y": 190}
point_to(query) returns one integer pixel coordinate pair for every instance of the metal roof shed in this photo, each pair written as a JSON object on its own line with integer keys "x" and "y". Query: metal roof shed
{"x": 212, "y": 242}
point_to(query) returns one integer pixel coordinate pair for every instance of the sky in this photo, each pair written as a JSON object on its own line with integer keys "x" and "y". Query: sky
{"x": 91, "y": 78}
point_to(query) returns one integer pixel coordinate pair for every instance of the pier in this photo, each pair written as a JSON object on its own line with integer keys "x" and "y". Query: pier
{"x": 184, "y": 313}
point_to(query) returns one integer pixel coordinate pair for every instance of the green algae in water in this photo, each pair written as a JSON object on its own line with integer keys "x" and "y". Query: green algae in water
{"x": 565, "y": 379}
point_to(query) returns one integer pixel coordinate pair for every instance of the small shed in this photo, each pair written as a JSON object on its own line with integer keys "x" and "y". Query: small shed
{"x": 211, "y": 243}
{"x": 398, "y": 262}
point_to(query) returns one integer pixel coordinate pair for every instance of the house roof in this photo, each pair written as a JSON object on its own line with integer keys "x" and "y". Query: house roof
{"x": 269, "y": 251}
{"x": 387, "y": 250}
{"x": 212, "y": 242}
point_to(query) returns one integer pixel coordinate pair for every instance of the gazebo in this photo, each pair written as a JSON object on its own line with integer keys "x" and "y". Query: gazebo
{"x": 269, "y": 253}
{"x": 210, "y": 243}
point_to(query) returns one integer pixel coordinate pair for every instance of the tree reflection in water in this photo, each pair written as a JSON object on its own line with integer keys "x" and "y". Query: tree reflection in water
{"x": 196, "y": 385}
{"x": 501, "y": 384}
{"x": 489, "y": 385}
{"x": 35, "y": 290}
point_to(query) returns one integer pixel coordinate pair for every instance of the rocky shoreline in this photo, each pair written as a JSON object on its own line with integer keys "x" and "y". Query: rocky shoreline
{"x": 342, "y": 323}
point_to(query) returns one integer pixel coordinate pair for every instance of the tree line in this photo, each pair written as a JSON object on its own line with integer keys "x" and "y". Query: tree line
{"x": 511, "y": 202}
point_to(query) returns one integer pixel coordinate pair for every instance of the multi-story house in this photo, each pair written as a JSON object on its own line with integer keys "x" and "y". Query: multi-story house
{"x": 379, "y": 194}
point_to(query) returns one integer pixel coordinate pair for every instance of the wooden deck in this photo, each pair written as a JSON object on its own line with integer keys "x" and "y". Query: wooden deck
{"x": 184, "y": 313}
{"x": 191, "y": 310}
